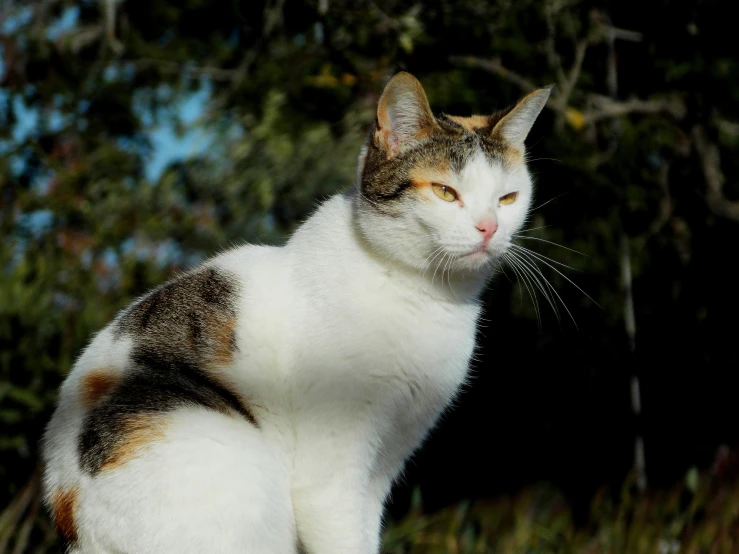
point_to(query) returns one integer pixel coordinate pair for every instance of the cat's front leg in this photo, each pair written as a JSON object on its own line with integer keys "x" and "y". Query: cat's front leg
{"x": 377, "y": 493}
{"x": 330, "y": 517}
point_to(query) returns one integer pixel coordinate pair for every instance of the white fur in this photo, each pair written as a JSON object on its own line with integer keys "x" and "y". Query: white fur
{"x": 348, "y": 351}
{"x": 438, "y": 236}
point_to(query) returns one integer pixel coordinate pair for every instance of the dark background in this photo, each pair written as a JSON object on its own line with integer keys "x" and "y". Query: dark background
{"x": 138, "y": 138}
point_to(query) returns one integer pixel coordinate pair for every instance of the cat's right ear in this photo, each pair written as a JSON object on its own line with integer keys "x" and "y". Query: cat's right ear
{"x": 515, "y": 126}
{"x": 403, "y": 115}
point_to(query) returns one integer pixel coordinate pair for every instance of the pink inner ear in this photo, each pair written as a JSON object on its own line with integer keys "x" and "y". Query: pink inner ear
{"x": 393, "y": 141}
{"x": 403, "y": 114}
{"x": 390, "y": 141}
{"x": 385, "y": 139}
{"x": 382, "y": 118}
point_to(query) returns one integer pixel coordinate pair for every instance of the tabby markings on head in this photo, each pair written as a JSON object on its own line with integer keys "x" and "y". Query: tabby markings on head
{"x": 472, "y": 123}
{"x": 184, "y": 340}
{"x": 409, "y": 146}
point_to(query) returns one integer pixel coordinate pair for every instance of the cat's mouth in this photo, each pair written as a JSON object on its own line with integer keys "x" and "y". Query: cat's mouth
{"x": 480, "y": 251}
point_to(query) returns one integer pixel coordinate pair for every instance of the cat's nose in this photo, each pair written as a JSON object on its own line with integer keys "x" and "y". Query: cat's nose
{"x": 487, "y": 227}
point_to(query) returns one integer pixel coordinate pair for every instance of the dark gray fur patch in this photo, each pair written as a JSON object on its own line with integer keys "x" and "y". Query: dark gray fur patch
{"x": 386, "y": 182}
{"x": 178, "y": 329}
{"x": 165, "y": 314}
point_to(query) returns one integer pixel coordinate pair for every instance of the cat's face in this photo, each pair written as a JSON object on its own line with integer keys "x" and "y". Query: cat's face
{"x": 444, "y": 193}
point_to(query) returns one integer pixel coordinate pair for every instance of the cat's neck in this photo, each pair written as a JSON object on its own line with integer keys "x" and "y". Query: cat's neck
{"x": 332, "y": 235}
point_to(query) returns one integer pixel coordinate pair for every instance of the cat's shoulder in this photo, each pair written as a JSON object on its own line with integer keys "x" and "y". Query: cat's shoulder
{"x": 194, "y": 311}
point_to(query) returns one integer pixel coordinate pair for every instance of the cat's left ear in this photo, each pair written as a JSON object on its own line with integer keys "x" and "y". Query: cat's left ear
{"x": 517, "y": 123}
{"x": 403, "y": 114}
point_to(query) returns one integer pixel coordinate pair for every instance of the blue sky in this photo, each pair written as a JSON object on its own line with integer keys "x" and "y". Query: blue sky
{"x": 167, "y": 144}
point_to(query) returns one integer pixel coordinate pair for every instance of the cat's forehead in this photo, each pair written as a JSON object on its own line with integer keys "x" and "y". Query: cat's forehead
{"x": 479, "y": 124}
{"x": 459, "y": 141}
{"x": 477, "y": 173}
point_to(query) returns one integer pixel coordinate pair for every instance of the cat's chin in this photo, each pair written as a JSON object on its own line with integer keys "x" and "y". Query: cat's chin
{"x": 477, "y": 257}
{"x": 479, "y": 260}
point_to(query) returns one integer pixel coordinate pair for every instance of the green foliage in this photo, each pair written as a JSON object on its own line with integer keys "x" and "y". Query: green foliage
{"x": 638, "y": 148}
{"x": 697, "y": 519}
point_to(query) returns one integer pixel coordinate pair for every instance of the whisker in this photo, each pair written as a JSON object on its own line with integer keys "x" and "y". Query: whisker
{"x": 571, "y": 282}
{"x": 545, "y": 257}
{"x": 502, "y": 270}
{"x": 437, "y": 269}
{"x": 439, "y": 253}
{"x": 554, "y": 243}
{"x": 519, "y": 280}
{"x": 542, "y": 285}
{"x": 544, "y": 159}
{"x": 443, "y": 269}
{"x": 545, "y": 286}
{"x": 450, "y": 265}
{"x": 535, "y": 285}
{"x": 430, "y": 259}
{"x": 550, "y": 200}
{"x": 531, "y": 229}
{"x": 370, "y": 200}
{"x": 522, "y": 277}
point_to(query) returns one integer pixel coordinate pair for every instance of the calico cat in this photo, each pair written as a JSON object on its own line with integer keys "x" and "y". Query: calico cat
{"x": 265, "y": 401}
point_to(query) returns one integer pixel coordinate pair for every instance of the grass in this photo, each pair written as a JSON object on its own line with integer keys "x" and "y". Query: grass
{"x": 697, "y": 516}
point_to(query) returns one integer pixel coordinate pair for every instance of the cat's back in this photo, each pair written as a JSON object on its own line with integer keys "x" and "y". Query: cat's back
{"x": 164, "y": 358}
{"x": 188, "y": 322}
{"x": 180, "y": 344}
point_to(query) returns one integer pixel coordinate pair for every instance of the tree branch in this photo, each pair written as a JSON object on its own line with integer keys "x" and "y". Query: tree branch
{"x": 605, "y": 108}
{"x": 665, "y": 204}
{"x": 110, "y": 23}
{"x": 608, "y": 108}
{"x": 569, "y": 84}
{"x": 494, "y": 66}
{"x": 710, "y": 158}
{"x": 555, "y": 62}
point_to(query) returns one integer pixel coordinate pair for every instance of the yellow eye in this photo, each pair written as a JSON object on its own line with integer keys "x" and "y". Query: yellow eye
{"x": 509, "y": 198}
{"x": 444, "y": 192}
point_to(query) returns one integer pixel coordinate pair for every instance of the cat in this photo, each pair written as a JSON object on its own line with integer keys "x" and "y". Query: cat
{"x": 266, "y": 401}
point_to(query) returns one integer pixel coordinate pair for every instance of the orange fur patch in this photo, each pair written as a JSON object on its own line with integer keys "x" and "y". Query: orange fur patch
{"x": 222, "y": 337}
{"x": 140, "y": 430}
{"x": 64, "y": 508}
{"x": 422, "y": 175}
{"x": 472, "y": 122}
{"x": 214, "y": 341}
{"x": 96, "y": 384}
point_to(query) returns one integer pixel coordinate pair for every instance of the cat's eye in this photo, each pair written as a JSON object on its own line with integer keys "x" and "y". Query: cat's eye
{"x": 509, "y": 198}
{"x": 444, "y": 192}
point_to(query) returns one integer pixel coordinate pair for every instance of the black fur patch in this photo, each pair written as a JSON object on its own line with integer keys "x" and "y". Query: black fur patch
{"x": 180, "y": 330}
{"x": 155, "y": 384}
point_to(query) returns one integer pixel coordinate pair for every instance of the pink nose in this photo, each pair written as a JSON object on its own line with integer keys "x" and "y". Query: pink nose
{"x": 487, "y": 227}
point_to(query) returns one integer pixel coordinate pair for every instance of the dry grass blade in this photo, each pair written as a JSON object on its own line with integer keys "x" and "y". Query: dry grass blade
{"x": 13, "y": 524}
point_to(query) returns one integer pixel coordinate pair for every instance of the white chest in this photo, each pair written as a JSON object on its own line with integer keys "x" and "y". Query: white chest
{"x": 385, "y": 350}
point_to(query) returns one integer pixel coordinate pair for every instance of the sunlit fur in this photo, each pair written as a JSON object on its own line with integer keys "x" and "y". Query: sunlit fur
{"x": 429, "y": 231}
{"x": 265, "y": 402}
{"x": 411, "y": 151}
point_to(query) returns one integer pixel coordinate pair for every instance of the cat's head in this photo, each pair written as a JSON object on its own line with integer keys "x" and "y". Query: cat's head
{"x": 444, "y": 191}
